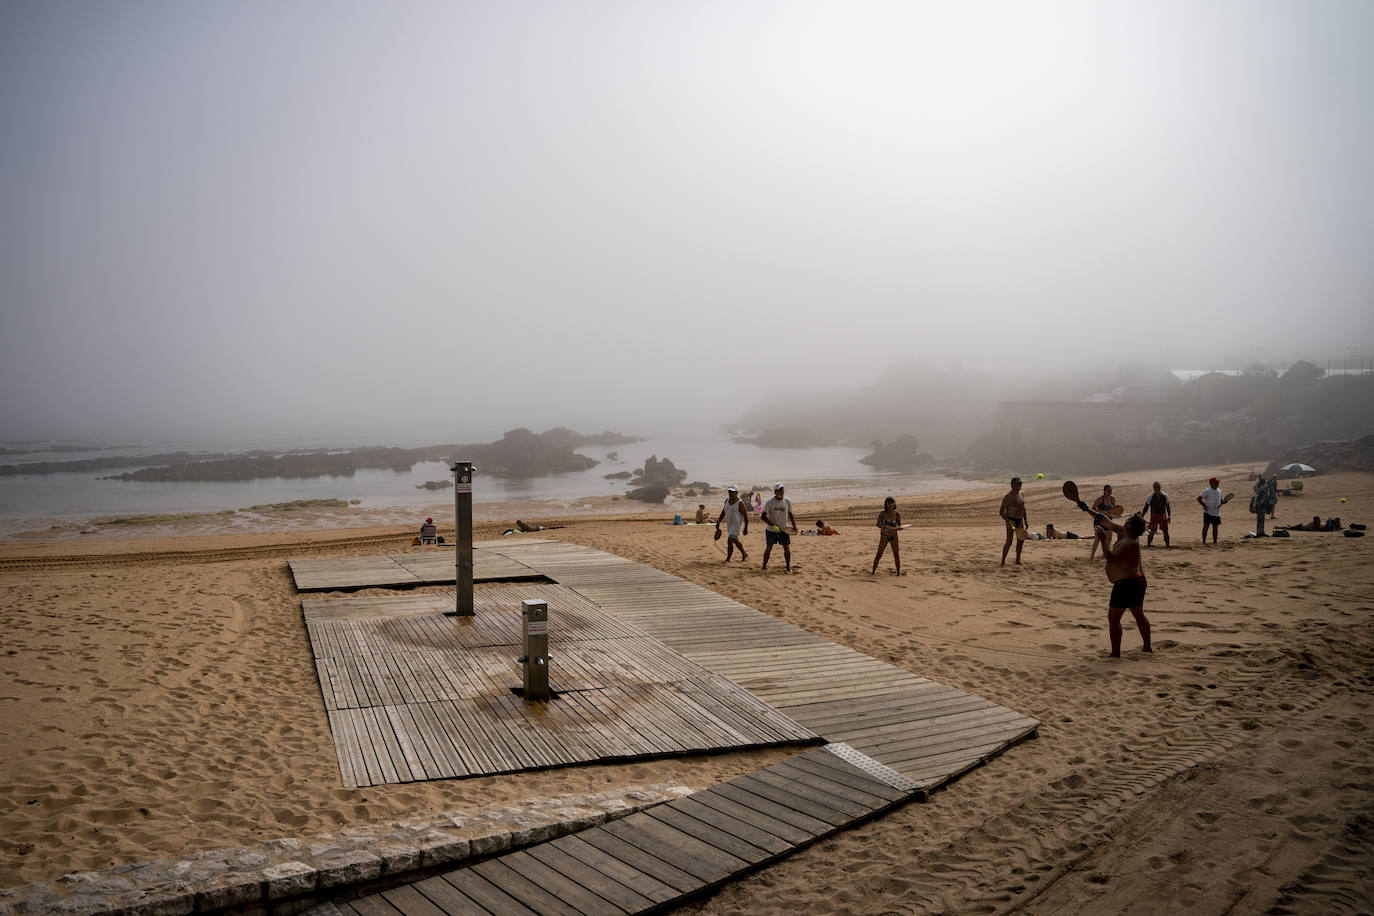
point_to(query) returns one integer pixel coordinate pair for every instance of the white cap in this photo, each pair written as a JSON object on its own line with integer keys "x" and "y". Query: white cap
{"x": 732, "y": 489}
{"x": 776, "y": 487}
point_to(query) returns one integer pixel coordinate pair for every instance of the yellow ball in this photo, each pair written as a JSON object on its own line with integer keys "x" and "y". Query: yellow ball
{"x": 1342, "y": 499}
{"x": 1039, "y": 476}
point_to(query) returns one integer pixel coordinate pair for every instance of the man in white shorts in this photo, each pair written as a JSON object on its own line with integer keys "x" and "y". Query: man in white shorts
{"x": 735, "y": 513}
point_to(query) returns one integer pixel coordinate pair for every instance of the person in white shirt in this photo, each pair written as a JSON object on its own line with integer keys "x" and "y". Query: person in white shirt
{"x": 777, "y": 513}
{"x": 735, "y": 514}
{"x": 1211, "y": 500}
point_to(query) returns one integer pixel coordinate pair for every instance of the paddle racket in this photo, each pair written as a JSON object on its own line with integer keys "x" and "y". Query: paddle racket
{"x": 1071, "y": 494}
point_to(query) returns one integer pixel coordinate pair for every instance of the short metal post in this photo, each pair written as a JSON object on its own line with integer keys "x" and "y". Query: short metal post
{"x": 534, "y": 625}
{"x": 462, "y": 511}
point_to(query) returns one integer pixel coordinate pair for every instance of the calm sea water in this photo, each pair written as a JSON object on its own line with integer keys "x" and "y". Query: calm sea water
{"x": 714, "y": 459}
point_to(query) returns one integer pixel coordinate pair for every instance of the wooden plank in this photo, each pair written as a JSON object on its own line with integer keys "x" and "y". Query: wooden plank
{"x": 672, "y": 845}
{"x": 406, "y": 899}
{"x": 448, "y": 898}
{"x": 633, "y": 878}
{"x": 642, "y": 860}
{"x": 568, "y": 891}
{"x": 751, "y": 796}
{"x": 374, "y": 905}
{"x": 710, "y": 834}
{"x": 400, "y": 724}
{"x": 388, "y": 755}
{"x": 813, "y": 790}
{"x": 784, "y": 831}
{"x": 345, "y": 748}
{"x": 523, "y": 889}
{"x": 866, "y": 798}
{"x": 785, "y": 798}
{"x": 595, "y": 880}
{"x": 744, "y": 829}
{"x": 488, "y": 896}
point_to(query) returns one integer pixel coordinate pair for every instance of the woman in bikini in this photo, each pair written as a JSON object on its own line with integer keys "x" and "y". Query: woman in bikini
{"x": 1103, "y": 504}
{"x": 889, "y": 523}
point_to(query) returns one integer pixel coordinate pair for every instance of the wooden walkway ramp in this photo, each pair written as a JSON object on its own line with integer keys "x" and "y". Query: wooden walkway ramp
{"x": 430, "y": 566}
{"x": 412, "y": 694}
{"x": 654, "y": 858}
{"x": 928, "y": 732}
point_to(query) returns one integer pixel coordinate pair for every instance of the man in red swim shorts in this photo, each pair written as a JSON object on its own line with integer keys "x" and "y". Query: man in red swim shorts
{"x": 1160, "y": 512}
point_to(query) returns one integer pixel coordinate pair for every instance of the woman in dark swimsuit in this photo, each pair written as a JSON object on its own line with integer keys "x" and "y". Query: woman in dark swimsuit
{"x": 1104, "y": 504}
{"x": 889, "y": 523}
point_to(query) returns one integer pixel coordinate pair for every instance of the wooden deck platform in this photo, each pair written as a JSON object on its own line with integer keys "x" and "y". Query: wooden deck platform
{"x": 430, "y": 566}
{"x": 895, "y": 736}
{"x": 413, "y": 694}
{"x": 652, "y": 858}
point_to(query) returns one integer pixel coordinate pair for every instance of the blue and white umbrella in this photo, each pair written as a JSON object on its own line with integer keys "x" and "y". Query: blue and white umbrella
{"x": 1299, "y": 468}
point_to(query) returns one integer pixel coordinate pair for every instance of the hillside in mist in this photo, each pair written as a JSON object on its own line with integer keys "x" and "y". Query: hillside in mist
{"x": 1093, "y": 421}
{"x": 1258, "y": 416}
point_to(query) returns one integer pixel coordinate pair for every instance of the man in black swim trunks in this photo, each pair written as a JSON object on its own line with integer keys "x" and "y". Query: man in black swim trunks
{"x": 1013, "y": 512}
{"x": 1126, "y": 575}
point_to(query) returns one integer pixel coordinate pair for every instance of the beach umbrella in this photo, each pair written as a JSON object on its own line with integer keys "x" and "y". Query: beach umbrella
{"x": 1299, "y": 468}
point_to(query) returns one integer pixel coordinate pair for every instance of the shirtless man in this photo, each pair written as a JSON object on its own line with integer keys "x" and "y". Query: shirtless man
{"x": 1126, "y": 575}
{"x": 1013, "y": 512}
{"x": 1161, "y": 513}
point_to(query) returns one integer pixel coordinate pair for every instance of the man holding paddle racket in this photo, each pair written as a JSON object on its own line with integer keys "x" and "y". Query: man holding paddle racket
{"x": 1013, "y": 512}
{"x": 735, "y": 513}
{"x": 1126, "y": 574}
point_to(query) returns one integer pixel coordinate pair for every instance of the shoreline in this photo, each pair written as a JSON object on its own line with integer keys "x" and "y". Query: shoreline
{"x": 824, "y": 490}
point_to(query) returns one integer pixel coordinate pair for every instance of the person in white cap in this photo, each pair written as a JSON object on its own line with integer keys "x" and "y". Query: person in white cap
{"x": 735, "y": 514}
{"x": 777, "y": 512}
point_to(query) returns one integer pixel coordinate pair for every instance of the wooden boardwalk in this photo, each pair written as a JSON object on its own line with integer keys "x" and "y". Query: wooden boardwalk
{"x": 656, "y": 857}
{"x": 413, "y": 694}
{"x": 432, "y": 566}
{"x": 924, "y": 730}
{"x": 894, "y": 736}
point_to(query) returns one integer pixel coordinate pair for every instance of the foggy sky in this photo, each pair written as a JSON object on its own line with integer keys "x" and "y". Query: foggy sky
{"x": 437, "y": 221}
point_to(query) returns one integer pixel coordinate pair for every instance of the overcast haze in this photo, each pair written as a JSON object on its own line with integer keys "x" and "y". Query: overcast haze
{"x": 439, "y": 221}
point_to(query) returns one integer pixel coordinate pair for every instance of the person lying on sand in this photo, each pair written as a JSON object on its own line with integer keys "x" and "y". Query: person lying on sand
{"x": 522, "y": 526}
{"x": 1127, "y": 576}
{"x": 1314, "y": 525}
{"x": 823, "y": 528}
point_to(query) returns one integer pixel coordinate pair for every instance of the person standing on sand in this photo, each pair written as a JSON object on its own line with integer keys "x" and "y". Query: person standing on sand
{"x": 1211, "y": 500}
{"x": 1103, "y": 504}
{"x": 1157, "y": 504}
{"x": 777, "y": 513}
{"x": 735, "y": 513}
{"x": 889, "y": 523}
{"x": 1273, "y": 494}
{"x": 1126, "y": 575}
{"x": 1260, "y": 505}
{"x": 1013, "y": 512}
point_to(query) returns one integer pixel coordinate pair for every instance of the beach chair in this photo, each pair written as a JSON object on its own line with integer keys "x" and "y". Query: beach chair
{"x": 429, "y": 534}
{"x": 1294, "y": 488}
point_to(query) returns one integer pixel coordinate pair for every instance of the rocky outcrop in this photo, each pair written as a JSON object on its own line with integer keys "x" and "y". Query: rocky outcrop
{"x": 902, "y": 454}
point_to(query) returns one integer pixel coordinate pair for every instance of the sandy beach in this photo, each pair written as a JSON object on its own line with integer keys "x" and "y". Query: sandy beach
{"x": 157, "y": 698}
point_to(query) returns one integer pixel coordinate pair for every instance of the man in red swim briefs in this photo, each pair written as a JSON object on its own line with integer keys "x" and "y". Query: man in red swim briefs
{"x": 1126, "y": 575}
